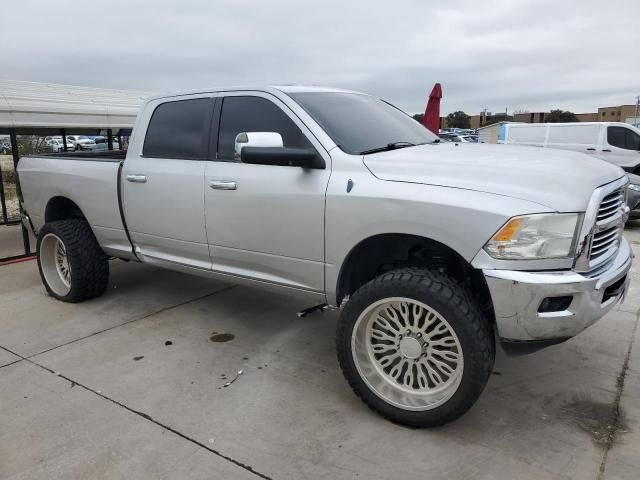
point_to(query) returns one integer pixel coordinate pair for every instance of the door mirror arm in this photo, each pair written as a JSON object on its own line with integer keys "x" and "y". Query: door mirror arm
{"x": 283, "y": 157}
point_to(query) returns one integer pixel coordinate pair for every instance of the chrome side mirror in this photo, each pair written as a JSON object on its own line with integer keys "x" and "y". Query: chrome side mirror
{"x": 256, "y": 139}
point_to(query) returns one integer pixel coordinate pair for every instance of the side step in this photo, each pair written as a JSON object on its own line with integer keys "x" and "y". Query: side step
{"x": 323, "y": 307}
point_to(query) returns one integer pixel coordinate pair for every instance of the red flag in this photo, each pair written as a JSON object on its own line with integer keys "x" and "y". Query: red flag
{"x": 431, "y": 118}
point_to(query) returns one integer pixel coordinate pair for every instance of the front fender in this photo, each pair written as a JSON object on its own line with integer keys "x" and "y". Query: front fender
{"x": 461, "y": 219}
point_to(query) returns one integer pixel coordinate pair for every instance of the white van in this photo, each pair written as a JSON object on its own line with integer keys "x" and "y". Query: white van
{"x": 617, "y": 143}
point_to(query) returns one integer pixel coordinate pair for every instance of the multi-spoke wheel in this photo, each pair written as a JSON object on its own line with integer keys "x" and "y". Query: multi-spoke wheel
{"x": 407, "y": 353}
{"x": 55, "y": 264}
{"x": 415, "y": 347}
{"x": 72, "y": 265}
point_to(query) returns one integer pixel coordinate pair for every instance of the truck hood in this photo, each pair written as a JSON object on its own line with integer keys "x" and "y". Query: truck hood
{"x": 558, "y": 179}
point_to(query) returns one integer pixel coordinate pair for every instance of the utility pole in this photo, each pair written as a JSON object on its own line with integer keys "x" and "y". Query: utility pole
{"x": 636, "y": 121}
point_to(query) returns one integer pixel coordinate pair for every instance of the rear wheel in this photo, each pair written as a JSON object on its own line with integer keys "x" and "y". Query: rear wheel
{"x": 415, "y": 348}
{"x": 72, "y": 265}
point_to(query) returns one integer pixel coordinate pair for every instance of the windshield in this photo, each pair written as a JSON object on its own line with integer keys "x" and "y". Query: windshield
{"x": 358, "y": 123}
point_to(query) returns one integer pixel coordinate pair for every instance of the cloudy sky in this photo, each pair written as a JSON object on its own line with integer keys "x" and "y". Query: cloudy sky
{"x": 521, "y": 55}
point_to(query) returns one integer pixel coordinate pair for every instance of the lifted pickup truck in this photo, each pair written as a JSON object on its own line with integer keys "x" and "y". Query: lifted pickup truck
{"x": 432, "y": 251}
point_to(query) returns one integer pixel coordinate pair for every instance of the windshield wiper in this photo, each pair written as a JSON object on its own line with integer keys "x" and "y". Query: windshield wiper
{"x": 387, "y": 147}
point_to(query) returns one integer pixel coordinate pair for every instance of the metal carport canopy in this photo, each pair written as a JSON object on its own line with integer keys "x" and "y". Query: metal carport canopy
{"x": 44, "y": 105}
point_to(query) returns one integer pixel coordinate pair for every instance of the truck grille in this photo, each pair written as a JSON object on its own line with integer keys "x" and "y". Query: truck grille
{"x": 610, "y": 205}
{"x": 607, "y": 231}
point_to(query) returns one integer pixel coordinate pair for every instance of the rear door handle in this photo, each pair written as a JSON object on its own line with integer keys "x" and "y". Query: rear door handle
{"x": 137, "y": 178}
{"x": 606, "y": 150}
{"x": 223, "y": 185}
{"x": 591, "y": 149}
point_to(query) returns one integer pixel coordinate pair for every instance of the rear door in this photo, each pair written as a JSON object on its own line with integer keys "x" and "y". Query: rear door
{"x": 269, "y": 226}
{"x": 162, "y": 183}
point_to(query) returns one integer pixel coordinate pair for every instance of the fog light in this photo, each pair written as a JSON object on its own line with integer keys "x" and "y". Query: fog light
{"x": 555, "y": 304}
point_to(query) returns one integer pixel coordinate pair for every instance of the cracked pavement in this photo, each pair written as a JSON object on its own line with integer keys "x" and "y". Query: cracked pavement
{"x": 132, "y": 385}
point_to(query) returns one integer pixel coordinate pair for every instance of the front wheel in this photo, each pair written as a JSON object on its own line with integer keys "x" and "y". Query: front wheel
{"x": 415, "y": 347}
{"x": 72, "y": 265}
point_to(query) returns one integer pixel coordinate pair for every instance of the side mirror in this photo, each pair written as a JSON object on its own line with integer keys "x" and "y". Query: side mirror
{"x": 256, "y": 139}
{"x": 283, "y": 157}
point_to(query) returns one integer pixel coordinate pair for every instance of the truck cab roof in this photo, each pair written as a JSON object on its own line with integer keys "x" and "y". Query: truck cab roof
{"x": 274, "y": 89}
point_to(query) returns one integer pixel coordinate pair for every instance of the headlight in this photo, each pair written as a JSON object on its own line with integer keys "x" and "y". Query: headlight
{"x": 633, "y": 186}
{"x": 529, "y": 237}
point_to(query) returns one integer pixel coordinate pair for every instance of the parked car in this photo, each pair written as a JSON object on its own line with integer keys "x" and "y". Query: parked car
{"x": 56, "y": 144}
{"x": 614, "y": 142}
{"x": 102, "y": 143}
{"x": 459, "y": 138}
{"x": 450, "y": 137}
{"x": 430, "y": 250}
{"x": 81, "y": 142}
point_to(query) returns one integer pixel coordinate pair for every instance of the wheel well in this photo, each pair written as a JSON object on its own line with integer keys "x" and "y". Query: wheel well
{"x": 382, "y": 253}
{"x": 61, "y": 208}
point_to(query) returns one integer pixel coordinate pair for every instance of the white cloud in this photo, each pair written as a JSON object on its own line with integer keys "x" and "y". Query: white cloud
{"x": 533, "y": 55}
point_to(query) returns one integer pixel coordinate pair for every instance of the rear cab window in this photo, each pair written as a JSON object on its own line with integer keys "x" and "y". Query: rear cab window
{"x": 179, "y": 129}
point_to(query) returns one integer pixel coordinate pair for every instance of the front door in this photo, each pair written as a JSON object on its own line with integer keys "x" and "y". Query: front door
{"x": 265, "y": 222}
{"x": 621, "y": 147}
{"x": 163, "y": 192}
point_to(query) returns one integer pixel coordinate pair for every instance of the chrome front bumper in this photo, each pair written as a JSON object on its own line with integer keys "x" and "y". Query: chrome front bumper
{"x": 517, "y": 296}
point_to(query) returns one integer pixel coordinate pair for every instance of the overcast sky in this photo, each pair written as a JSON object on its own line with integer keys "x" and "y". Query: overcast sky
{"x": 521, "y": 55}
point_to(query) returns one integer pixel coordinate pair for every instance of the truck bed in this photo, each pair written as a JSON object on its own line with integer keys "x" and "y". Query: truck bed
{"x": 91, "y": 180}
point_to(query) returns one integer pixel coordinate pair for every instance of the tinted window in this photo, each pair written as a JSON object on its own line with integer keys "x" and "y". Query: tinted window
{"x": 623, "y": 137}
{"x": 357, "y": 122}
{"x": 255, "y": 114}
{"x": 179, "y": 130}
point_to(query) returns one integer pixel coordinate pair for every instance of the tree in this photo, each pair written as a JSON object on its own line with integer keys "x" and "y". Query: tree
{"x": 560, "y": 116}
{"x": 458, "y": 119}
{"x": 418, "y": 117}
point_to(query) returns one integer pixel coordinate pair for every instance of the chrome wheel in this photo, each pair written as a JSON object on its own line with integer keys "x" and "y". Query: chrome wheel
{"x": 407, "y": 353}
{"x": 55, "y": 264}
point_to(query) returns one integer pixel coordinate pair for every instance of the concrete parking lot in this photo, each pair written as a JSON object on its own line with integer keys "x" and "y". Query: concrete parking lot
{"x": 144, "y": 383}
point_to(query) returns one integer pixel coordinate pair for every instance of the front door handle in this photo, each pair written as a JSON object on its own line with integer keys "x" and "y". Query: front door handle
{"x": 606, "y": 150}
{"x": 591, "y": 149}
{"x": 137, "y": 178}
{"x": 223, "y": 185}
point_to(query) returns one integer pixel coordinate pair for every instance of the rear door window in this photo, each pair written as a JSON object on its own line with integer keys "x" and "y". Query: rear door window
{"x": 179, "y": 129}
{"x": 623, "y": 137}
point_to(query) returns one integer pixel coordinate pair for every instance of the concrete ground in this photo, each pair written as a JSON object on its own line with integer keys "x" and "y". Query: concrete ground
{"x": 11, "y": 243}
{"x": 135, "y": 385}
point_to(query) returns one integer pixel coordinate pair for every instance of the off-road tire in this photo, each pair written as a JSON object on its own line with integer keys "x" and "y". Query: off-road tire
{"x": 444, "y": 294}
{"x": 88, "y": 263}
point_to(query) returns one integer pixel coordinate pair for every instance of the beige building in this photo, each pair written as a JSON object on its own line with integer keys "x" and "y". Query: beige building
{"x": 617, "y": 114}
{"x": 623, "y": 113}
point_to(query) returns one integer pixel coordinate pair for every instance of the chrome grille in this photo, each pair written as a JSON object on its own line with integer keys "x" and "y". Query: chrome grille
{"x": 608, "y": 228}
{"x": 603, "y": 241}
{"x": 610, "y": 205}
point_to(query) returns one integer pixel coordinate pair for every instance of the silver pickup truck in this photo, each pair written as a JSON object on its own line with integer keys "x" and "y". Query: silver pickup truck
{"x": 433, "y": 252}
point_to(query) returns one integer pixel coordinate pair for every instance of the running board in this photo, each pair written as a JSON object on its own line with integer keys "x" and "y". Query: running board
{"x": 321, "y": 308}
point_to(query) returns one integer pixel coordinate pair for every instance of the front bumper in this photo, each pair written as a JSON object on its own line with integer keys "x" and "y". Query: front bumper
{"x": 517, "y": 296}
